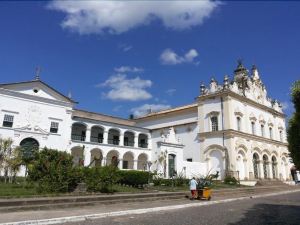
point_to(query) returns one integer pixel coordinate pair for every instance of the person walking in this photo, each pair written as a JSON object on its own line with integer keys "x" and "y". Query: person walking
{"x": 193, "y": 188}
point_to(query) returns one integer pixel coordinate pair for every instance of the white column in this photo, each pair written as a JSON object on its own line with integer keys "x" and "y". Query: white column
{"x": 105, "y": 137}
{"x": 135, "y": 163}
{"x": 136, "y": 140}
{"x": 261, "y": 169}
{"x": 120, "y": 165}
{"x": 121, "y": 143}
{"x": 149, "y": 142}
{"x": 88, "y": 135}
{"x": 87, "y": 156}
{"x": 269, "y": 169}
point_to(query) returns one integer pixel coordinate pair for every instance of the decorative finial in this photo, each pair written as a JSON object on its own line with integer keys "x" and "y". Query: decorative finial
{"x": 70, "y": 95}
{"x": 240, "y": 62}
{"x": 202, "y": 88}
{"x": 226, "y": 82}
{"x": 37, "y": 73}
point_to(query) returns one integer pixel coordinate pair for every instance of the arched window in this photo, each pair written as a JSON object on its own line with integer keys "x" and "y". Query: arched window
{"x": 271, "y": 132}
{"x": 253, "y": 127}
{"x": 262, "y": 129}
{"x": 214, "y": 123}
{"x": 238, "y": 123}
{"x": 280, "y": 135}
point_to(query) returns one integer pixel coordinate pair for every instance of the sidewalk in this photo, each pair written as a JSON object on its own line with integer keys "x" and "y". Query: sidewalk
{"x": 100, "y": 209}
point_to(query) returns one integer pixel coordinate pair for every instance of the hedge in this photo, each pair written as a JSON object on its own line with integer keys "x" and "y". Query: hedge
{"x": 133, "y": 178}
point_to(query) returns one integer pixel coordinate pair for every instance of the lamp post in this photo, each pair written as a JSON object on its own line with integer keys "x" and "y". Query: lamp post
{"x": 149, "y": 167}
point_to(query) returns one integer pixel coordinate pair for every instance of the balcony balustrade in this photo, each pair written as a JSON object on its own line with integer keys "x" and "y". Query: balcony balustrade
{"x": 113, "y": 141}
{"x": 96, "y": 139}
{"x": 78, "y": 137}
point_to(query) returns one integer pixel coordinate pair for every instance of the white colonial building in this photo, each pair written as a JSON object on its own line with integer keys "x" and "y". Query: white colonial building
{"x": 231, "y": 128}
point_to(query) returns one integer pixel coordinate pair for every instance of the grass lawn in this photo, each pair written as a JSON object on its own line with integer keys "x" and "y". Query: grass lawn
{"x": 16, "y": 190}
{"x": 22, "y": 190}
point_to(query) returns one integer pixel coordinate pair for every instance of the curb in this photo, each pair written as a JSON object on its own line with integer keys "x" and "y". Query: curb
{"x": 137, "y": 211}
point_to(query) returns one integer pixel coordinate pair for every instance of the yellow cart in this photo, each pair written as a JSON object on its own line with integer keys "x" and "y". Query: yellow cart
{"x": 204, "y": 194}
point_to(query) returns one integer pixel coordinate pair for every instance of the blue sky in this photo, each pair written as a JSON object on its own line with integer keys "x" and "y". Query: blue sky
{"x": 147, "y": 55}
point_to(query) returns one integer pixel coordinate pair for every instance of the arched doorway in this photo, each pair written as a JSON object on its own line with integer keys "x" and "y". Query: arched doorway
{"x": 274, "y": 167}
{"x": 172, "y": 165}
{"x": 78, "y": 155}
{"x": 78, "y": 132}
{"x": 265, "y": 166}
{"x": 96, "y": 157}
{"x": 255, "y": 165}
{"x": 283, "y": 168}
{"x": 241, "y": 165}
{"x": 112, "y": 158}
{"x": 216, "y": 163}
{"x": 29, "y": 146}
{"x": 142, "y": 162}
{"x": 128, "y": 160}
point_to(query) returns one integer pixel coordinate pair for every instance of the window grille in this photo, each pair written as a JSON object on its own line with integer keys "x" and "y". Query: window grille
{"x": 214, "y": 123}
{"x": 8, "y": 120}
{"x": 54, "y": 127}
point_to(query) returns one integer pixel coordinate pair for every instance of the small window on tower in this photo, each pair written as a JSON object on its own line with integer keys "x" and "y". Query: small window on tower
{"x": 54, "y": 127}
{"x": 214, "y": 123}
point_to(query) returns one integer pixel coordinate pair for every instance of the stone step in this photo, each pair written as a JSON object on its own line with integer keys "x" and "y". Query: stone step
{"x": 81, "y": 204}
{"x": 76, "y": 199}
{"x": 270, "y": 183}
{"x": 9, "y": 205}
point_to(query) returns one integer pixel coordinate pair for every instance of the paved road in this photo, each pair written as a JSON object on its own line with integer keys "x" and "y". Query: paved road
{"x": 284, "y": 209}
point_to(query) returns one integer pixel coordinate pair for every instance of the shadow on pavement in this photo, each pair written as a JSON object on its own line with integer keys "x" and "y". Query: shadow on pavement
{"x": 271, "y": 214}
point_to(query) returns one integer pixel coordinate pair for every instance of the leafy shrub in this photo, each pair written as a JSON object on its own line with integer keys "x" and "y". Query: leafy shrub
{"x": 54, "y": 172}
{"x": 230, "y": 180}
{"x": 101, "y": 179}
{"x": 133, "y": 178}
{"x": 169, "y": 182}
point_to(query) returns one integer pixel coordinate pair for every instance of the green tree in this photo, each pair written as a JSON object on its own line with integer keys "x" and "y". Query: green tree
{"x": 53, "y": 170}
{"x": 294, "y": 126}
{"x": 10, "y": 160}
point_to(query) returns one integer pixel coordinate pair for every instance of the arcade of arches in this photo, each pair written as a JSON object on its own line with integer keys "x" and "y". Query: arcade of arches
{"x": 97, "y": 157}
{"x": 263, "y": 165}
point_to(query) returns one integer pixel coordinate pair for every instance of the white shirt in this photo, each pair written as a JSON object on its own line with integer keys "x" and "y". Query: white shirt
{"x": 193, "y": 184}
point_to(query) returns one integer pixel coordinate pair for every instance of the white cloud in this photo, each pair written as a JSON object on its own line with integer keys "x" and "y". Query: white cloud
{"x": 285, "y": 105}
{"x": 147, "y": 108}
{"x": 125, "y": 47}
{"x": 126, "y": 89}
{"x": 169, "y": 57}
{"x": 117, "y": 108}
{"x": 126, "y": 69}
{"x": 171, "y": 92}
{"x": 115, "y": 17}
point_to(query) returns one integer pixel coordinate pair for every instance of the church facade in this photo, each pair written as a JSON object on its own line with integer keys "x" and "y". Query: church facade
{"x": 232, "y": 128}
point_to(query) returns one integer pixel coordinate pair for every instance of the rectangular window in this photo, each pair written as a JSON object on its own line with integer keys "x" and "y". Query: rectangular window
{"x": 253, "y": 127}
{"x": 8, "y": 120}
{"x": 271, "y": 133}
{"x": 214, "y": 123}
{"x": 54, "y": 127}
{"x": 189, "y": 160}
{"x": 280, "y": 135}
{"x": 125, "y": 164}
{"x": 262, "y": 127}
